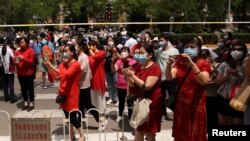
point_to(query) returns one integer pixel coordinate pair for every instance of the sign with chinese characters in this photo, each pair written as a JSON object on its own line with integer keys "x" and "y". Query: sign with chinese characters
{"x": 28, "y": 129}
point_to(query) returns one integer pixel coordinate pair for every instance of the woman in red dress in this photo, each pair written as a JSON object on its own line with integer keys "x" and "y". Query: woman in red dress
{"x": 69, "y": 73}
{"x": 148, "y": 75}
{"x": 190, "y": 108}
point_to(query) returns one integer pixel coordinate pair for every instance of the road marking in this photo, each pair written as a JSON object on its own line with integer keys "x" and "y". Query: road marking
{"x": 164, "y": 135}
{"x": 51, "y": 96}
{"x": 55, "y": 113}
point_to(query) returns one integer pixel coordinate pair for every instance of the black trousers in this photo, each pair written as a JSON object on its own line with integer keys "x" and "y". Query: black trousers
{"x": 170, "y": 87}
{"x": 8, "y": 86}
{"x": 212, "y": 112}
{"x": 85, "y": 103}
{"x": 122, "y": 94}
{"x": 27, "y": 87}
{"x": 164, "y": 94}
{"x": 74, "y": 118}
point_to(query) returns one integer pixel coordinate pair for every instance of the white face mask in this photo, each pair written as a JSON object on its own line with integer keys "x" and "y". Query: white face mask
{"x": 65, "y": 56}
{"x": 124, "y": 55}
{"x": 110, "y": 43}
{"x": 237, "y": 55}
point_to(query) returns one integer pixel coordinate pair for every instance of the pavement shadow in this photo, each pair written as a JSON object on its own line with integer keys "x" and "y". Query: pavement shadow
{"x": 59, "y": 130}
{"x": 126, "y": 128}
{"x": 1, "y": 98}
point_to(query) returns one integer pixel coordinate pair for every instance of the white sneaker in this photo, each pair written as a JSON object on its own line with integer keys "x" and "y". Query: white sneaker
{"x": 117, "y": 104}
{"x": 119, "y": 118}
{"x": 89, "y": 115}
{"x": 103, "y": 125}
{"x": 109, "y": 101}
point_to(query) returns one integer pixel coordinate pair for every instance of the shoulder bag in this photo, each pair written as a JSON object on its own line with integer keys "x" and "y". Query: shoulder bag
{"x": 141, "y": 110}
{"x": 170, "y": 102}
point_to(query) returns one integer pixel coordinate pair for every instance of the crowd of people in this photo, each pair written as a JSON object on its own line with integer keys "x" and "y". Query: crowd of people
{"x": 127, "y": 64}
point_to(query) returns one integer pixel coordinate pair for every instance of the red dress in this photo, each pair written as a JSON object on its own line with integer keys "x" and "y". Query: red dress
{"x": 96, "y": 64}
{"x": 153, "y": 124}
{"x": 69, "y": 85}
{"x": 190, "y": 111}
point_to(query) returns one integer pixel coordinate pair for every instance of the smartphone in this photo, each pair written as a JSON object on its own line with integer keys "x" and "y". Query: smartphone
{"x": 125, "y": 64}
{"x": 180, "y": 58}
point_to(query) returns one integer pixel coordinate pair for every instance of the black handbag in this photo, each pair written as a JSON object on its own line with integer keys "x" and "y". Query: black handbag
{"x": 131, "y": 100}
{"x": 60, "y": 99}
{"x": 174, "y": 90}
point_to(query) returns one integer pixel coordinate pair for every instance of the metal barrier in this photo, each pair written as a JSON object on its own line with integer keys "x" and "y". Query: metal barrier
{"x": 123, "y": 137}
{"x": 70, "y": 112}
{"x": 117, "y": 132}
{"x": 62, "y": 120}
{"x": 87, "y": 122}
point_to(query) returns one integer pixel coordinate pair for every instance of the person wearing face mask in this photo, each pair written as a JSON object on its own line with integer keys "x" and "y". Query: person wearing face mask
{"x": 147, "y": 76}
{"x": 6, "y": 55}
{"x": 161, "y": 56}
{"x": 220, "y": 50}
{"x": 96, "y": 63}
{"x": 85, "y": 79}
{"x": 228, "y": 36}
{"x": 123, "y": 32}
{"x": 139, "y": 43}
{"x": 44, "y": 41}
{"x": 121, "y": 83}
{"x": 191, "y": 74}
{"x": 110, "y": 76}
{"x": 69, "y": 74}
{"x": 155, "y": 43}
{"x": 230, "y": 73}
{"x": 24, "y": 61}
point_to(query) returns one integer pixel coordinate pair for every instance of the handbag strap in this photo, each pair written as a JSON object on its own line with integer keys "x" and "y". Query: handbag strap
{"x": 215, "y": 69}
{"x": 182, "y": 81}
{"x": 143, "y": 93}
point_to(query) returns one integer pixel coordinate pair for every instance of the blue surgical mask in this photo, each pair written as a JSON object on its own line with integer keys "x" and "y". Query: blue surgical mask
{"x": 142, "y": 58}
{"x": 192, "y": 52}
{"x": 162, "y": 44}
{"x": 138, "y": 40}
{"x": 136, "y": 56}
{"x": 220, "y": 44}
{"x": 225, "y": 37}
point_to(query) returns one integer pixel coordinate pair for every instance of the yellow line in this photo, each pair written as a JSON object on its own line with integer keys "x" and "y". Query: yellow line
{"x": 124, "y": 23}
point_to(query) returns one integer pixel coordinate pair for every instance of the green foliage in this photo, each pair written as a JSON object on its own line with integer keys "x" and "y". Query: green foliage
{"x": 209, "y": 38}
{"x": 39, "y": 11}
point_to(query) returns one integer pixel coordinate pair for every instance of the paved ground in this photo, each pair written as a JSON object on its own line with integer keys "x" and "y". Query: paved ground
{"x": 45, "y": 103}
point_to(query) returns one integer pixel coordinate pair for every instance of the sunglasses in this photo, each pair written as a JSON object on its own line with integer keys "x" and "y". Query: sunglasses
{"x": 238, "y": 49}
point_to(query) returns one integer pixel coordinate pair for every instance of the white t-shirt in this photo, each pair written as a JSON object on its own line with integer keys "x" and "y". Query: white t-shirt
{"x": 6, "y": 59}
{"x": 212, "y": 53}
{"x": 84, "y": 80}
{"x": 162, "y": 56}
{"x": 130, "y": 43}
